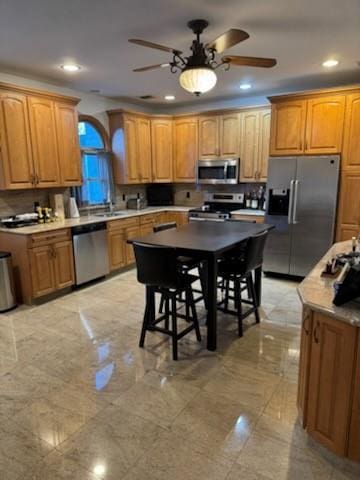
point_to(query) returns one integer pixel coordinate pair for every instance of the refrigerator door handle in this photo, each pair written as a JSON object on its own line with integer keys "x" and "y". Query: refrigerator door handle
{"x": 291, "y": 201}
{"x": 295, "y": 200}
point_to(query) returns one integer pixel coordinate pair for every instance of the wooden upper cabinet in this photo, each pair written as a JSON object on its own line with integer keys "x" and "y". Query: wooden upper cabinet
{"x": 264, "y": 144}
{"x": 130, "y": 150}
{"x": 324, "y": 124}
{"x": 15, "y": 146}
{"x": 162, "y": 150}
{"x": 44, "y": 141}
{"x": 249, "y": 146}
{"x": 288, "y": 127}
{"x": 348, "y": 218}
{"x": 144, "y": 149}
{"x": 209, "y": 144}
{"x": 229, "y": 135}
{"x": 330, "y": 382}
{"x": 351, "y": 145}
{"x": 68, "y": 144}
{"x": 185, "y": 149}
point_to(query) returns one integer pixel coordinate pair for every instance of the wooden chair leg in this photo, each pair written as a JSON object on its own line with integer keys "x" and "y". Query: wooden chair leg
{"x": 194, "y": 316}
{"x": 162, "y": 301}
{"x": 227, "y": 292}
{"x": 253, "y": 295}
{"x": 237, "y": 295}
{"x": 187, "y": 306}
{"x": 174, "y": 327}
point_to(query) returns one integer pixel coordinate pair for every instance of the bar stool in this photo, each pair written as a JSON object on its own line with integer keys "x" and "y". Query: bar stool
{"x": 158, "y": 269}
{"x": 239, "y": 270}
{"x": 187, "y": 264}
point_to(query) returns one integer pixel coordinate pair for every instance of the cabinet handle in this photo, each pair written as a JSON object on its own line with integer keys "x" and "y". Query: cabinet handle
{"x": 316, "y": 338}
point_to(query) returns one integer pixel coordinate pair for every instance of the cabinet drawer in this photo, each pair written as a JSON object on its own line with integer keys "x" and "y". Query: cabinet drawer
{"x": 45, "y": 238}
{"x": 122, "y": 223}
{"x": 146, "y": 219}
{"x": 248, "y": 218}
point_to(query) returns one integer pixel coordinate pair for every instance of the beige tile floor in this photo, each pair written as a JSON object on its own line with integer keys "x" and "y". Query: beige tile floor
{"x": 79, "y": 400}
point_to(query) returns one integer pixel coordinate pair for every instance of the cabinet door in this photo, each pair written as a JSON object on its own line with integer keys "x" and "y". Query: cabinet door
{"x": 185, "y": 149}
{"x": 264, "y": 144}
{"x": 162, "y": 150}
{"x": 330, "y": 381}
{"x": 324, "y": 124}
{"x": 15, "y": 145}
{"x": 354, "y": 437}
{"x": 304, "y": 365}
{"x": 146, "y": 229}
{"x": 144, "y": 149}
{"x": 68, "y": 144}
{"x": 348, "y": 216}
{"x": 230, "y": 135}
{"x": 181, "y": 218}
{"x": 42, "y": 270}
{"x": 117, "y": 248}
{"x": 131, "y": 232}
{"x": 288, "y": 128}
{"x": 131, "y": 152}
{"x": 209, "y": 137}
{"x": 351, "y": 147}
{"x": 64, "y": 264}
{"x": 44, "y": 142}
{"x": 249, "y": 146}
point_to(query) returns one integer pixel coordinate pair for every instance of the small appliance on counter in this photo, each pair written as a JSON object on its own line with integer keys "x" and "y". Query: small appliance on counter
{"x": 136, "y": 203}
{"x": 57, "y": 205}
{"x": 21, "y": 220}
{"x": 160, "y": 195}
{"x": 217, "y": 207}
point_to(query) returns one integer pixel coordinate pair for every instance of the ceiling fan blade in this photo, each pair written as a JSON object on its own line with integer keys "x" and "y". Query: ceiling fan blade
{"x": 151, "y": 67}
{"x": 145, "y": 43}
{"x": 249, "y": 61}
{"x": 227, "y": 40}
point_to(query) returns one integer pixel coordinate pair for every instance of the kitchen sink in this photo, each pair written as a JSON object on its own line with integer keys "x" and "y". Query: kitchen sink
{"x": 111, "y": 214}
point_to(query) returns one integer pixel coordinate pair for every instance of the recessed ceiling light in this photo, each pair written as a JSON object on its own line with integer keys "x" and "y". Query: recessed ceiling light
{"x": 245, "y": 86}
{"x": 71, "y": 67}
{"x": 169, "y": 97}
{"x": 330, "y": 63}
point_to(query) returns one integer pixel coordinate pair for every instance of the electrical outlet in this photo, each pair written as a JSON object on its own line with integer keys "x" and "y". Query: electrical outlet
{"x": 187, "y": 194}
{"x": 124, "y": 197}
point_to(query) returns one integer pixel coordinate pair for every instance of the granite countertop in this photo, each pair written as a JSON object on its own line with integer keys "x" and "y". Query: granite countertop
{"x": 86, "y": 220}
{"x": 248, "y": 211}
{"x": 317, "y": 292}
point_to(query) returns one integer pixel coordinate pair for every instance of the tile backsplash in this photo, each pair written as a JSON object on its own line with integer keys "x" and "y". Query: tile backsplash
{"x": 21, "y": 201}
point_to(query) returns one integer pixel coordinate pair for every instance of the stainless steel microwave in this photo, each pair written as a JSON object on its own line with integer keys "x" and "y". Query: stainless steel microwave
{"x": 225, "y": 171}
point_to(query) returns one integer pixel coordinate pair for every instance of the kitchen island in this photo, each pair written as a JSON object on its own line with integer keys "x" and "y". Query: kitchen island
{"x": 329, "y": 372}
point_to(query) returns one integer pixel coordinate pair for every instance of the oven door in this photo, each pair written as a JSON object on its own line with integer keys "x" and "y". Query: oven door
{"x": 218, "y": 171}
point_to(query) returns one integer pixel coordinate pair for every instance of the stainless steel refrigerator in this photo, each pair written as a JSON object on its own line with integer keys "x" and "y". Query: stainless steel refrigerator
{"x": 301, "y": 203}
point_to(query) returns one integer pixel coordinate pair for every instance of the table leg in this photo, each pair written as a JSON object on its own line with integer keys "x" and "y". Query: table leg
{"x": 258, "y": 282}
{"x": 211, "y": 303}
{"x": 203, "y": 274}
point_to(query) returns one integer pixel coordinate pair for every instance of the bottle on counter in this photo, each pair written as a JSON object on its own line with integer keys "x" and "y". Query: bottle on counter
{"x": 247, "y": 200}
{"x": 254, "y": 201}
{"x": 261, "y": 198}
{"x": 40, "y": 214}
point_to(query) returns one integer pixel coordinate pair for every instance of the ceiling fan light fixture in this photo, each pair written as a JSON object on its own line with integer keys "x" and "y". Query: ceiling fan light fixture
{"x": 198, "y": 80}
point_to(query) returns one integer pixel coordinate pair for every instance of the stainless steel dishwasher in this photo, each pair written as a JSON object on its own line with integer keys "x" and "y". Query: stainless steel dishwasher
{"x": 90, "y": 252}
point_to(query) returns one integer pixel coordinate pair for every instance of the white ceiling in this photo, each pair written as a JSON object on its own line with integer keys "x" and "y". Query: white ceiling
{"x": 36, "y": 36}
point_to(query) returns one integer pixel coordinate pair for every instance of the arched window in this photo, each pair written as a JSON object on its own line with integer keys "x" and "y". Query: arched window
{"x": 96, "y": 189}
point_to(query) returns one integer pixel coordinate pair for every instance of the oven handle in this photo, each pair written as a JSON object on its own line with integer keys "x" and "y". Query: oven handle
{"x": 225, "y": 170}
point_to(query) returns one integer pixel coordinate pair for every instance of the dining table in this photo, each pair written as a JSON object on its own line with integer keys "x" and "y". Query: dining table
{"x": 208, "y": 241}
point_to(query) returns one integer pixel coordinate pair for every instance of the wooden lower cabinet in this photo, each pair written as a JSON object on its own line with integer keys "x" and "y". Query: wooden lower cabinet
{"x": 348, "y": 216}
{"x": 117, "y": 248}
{"x": 328, "y": 389}
{"x": 42, "y": 271}
{"x": 354, "y": 436}
{"x": 130, "y": 233}
{"x": 248, "y": 218}
{"x": 305, "y": 349}
{"x": 52, "y": 267}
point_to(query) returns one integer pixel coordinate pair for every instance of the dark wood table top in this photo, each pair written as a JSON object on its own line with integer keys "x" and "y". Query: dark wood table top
{"x": 205, "y": 236}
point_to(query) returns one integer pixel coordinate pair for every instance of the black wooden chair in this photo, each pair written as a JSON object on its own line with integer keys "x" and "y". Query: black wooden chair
{"x": 186, "y": 263}
{"x": 158, "y": 269}
{"x": 238, "y": 270}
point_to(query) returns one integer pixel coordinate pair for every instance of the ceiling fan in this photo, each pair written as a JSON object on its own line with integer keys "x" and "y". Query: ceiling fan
{"x": 197, "y": 72}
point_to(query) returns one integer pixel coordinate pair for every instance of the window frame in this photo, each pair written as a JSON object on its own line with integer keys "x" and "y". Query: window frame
{"x": 105, "y": 150}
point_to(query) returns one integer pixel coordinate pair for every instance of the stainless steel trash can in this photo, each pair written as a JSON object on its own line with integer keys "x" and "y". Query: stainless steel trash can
{"x": 7, "y": 292}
